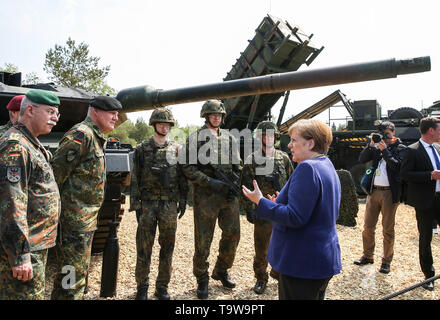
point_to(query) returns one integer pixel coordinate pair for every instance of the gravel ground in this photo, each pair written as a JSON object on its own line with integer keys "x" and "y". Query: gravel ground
{"x": 353, "y": 283}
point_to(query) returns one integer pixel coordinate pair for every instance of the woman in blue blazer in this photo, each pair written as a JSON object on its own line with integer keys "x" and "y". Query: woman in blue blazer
{"x": 304, "y": 246}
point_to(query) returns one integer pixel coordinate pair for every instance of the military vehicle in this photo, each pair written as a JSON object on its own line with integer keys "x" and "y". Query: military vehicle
{"x": 266, "y": 71}
{"x": 362, "y": 120}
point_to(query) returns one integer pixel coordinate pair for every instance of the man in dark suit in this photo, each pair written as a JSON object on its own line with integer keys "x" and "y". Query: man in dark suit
{"x": 420, "y": 168}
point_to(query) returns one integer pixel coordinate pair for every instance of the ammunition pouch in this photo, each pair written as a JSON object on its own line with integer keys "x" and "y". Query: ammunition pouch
{"x": 162, "y": 173}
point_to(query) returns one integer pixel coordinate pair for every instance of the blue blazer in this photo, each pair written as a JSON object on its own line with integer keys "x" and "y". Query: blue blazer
{"x": 304, "y": 242}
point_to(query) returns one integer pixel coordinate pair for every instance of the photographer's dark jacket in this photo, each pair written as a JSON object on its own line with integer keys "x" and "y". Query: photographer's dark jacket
{"x": 393, "y": 156}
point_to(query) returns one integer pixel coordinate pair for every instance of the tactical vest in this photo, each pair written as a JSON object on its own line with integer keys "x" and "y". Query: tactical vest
{"x": 158, "y": 179}
{"x": 223, "y": 139}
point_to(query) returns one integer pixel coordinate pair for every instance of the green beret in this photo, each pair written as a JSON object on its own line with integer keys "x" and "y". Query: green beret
{"x": 43, "y": 97}
{"x": 106, "y": 103}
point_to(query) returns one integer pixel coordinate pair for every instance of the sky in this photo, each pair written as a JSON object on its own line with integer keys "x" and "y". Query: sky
{"x": 172, "y": 44}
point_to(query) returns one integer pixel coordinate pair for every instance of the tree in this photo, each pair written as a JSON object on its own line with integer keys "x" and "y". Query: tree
{"x": 72, "y": 66}
{"x": 9, "y": 67}
{"x": 30, "y": 78}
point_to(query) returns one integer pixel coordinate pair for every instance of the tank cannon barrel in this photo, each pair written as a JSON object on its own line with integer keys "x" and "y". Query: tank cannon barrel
{"x": 147, "y": 98}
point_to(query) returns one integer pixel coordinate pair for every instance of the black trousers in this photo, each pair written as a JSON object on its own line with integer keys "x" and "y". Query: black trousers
{"x": 291, "y": 288}
{"x": 425, "y": 219}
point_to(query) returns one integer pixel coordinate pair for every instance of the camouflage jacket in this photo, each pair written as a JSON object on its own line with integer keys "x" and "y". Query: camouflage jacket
{"x": 268, "y": 184}
{"x": 5, "y": 127}
{"x": 199, "y": 173}
{"x": 153, "y": 177}
{"x": 29, "y": 197}
{"x": 79, "y": 166}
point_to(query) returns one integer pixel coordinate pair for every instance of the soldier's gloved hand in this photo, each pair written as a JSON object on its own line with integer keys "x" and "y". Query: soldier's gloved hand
{"x": 181, "y": 208}
{"x": 218, "y": 186}
{"x": 250, "y": 216}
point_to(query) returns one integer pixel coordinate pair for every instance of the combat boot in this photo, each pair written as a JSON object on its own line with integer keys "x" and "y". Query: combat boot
{"x": 142, "y": 293}
{"x": 162, "y": 293}
{"x": 260, "y": 286}
{"x": 202, "y": 288}
{"x": 227, "y": 282}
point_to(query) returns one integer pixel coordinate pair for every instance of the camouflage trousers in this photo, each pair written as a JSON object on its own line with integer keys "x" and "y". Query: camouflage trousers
{"x": 161, "y": 214}
{"x": 262, "y": 233}
{"x": 13, "y": 289}
{"x": 73, "y": 260}
{"x": 208, "y": 208}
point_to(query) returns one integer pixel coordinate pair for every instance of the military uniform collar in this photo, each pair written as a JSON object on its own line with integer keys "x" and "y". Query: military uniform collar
{"x": 154, "y": 143}
{"x": 219, "y": 131}
{"x": 26, "y": 132}
{"x": 87, "y": 121}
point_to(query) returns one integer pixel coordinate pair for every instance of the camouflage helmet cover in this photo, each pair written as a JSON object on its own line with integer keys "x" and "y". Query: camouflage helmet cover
{"x": 162, "y": 115}
{"x": 212, "y": 106}
{"x": 266, "y": 125}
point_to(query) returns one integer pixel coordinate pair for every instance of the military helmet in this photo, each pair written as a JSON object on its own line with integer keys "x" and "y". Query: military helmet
{"x": 162, "y": 115}
{"x": 267, "y": 125}
{"x": 212, "y": 106}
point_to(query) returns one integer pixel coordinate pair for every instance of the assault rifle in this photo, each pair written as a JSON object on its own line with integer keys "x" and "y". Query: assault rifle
{"x": 232, "y": 180}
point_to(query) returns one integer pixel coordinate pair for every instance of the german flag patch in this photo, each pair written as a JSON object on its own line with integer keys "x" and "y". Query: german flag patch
{"x": 14, "y": 154}
{"x": 78, "y": 137}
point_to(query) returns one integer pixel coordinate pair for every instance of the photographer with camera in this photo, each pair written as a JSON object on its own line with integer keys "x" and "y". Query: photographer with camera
{"x": 386, "y": 152}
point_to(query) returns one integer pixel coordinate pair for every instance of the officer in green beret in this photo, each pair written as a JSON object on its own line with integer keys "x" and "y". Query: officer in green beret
{"x": 30, "y": 201}
{"x": 80, "y": 171}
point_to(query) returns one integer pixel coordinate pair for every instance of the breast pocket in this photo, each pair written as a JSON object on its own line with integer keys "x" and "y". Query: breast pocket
{"x": 99, "y": 164}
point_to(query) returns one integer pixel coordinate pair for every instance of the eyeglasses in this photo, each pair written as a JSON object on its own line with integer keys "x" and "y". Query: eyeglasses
{"x": 51, "y": 112}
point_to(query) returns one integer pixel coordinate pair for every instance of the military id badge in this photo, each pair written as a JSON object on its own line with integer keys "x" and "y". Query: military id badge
{"x": 13, "y": 174}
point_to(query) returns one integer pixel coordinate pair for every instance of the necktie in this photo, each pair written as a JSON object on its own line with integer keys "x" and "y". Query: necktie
{"x": 437, "y": 161}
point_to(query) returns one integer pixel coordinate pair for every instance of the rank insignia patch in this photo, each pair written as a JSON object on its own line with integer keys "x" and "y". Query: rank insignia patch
{"x": 13, "y": 174}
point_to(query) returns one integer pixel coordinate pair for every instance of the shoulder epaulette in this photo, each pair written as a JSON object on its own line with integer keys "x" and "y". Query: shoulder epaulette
{"x": 14, "y": 136}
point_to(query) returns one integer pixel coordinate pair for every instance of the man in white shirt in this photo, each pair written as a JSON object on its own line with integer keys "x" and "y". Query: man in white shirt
{"x": 384, "y": 195}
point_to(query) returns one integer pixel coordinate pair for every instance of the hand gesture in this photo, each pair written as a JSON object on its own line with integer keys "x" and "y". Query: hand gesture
{"x": 255, "y": 195}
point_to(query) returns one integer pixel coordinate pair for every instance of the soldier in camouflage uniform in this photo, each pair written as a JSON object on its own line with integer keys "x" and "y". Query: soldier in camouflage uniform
{"x": 158, "y": 193}
{"x": 212, "y": 197}
{"x": 29, "y": 200}
{"x": 80, "y": 171}
{"x": 13, "y": 108}
{"x": 270, "y": 184}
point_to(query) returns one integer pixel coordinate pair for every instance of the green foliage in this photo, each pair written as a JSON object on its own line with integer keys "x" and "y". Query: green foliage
{"x": 9, "y": 67}
{"x": 31, "y": 78}
{"x": 71, "y": 66}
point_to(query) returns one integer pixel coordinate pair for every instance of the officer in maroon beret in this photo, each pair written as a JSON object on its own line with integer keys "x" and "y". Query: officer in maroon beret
{"x": 13, "y": 108}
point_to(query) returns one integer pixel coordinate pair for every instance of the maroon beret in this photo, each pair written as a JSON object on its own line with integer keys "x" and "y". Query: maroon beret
{"x": 14, "y": 104}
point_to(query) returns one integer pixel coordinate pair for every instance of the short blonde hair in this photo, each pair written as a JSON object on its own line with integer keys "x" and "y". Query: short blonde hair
{"x": 316, "y": 130}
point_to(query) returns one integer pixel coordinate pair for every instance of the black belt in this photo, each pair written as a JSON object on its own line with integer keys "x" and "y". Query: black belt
{"x": 381, "y": 188}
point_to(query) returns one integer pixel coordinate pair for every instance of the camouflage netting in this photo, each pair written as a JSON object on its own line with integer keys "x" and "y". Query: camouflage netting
{"x": 349, "y": 201}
